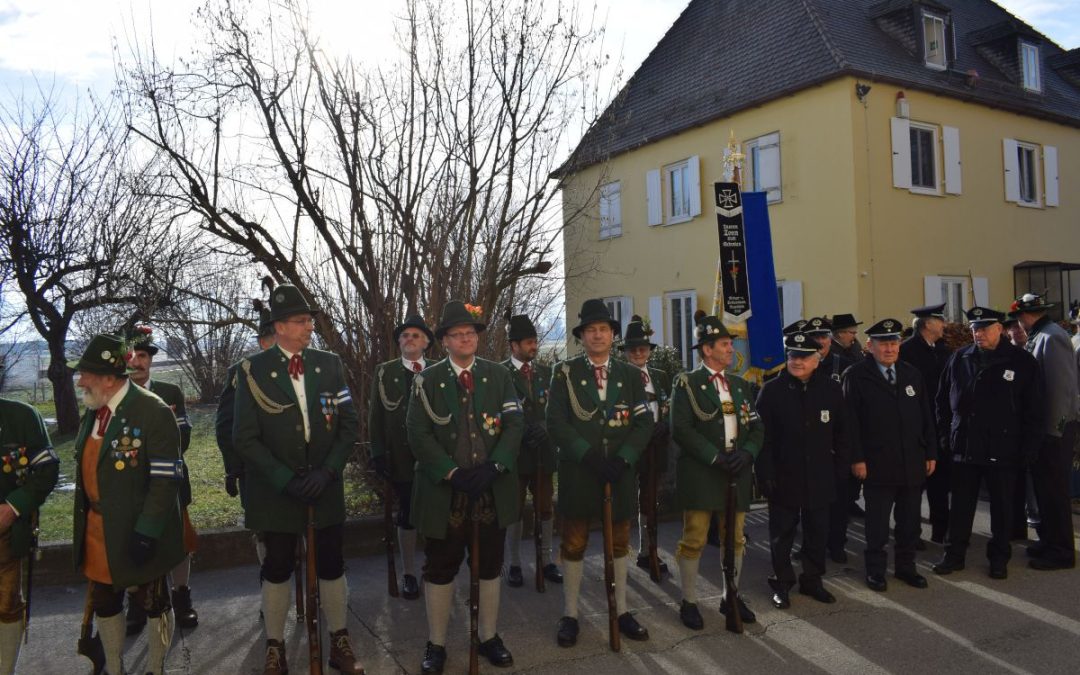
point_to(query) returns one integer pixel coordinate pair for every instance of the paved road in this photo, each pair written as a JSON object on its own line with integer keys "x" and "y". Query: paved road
{"x": 966, "y": 623}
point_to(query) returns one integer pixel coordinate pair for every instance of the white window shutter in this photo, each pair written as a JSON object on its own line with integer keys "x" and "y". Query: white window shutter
{"x": 1050, "y": 175}
{"x": 615, "y": 207}
{"x": 791, "y": 291}
{"x": 694, "y": 178}
{"x": 656, "y": 319}
{"x": 981, "y": 289}
{"x": 769, "y": 168}
{"x": 1012, "y": 170}
{"x": 653, "y": 199}
{"x": 605, "y": 212}
{"x": 901, "y": 153}
{"x": 950, "y": 137}
{"x": 932, "y": 290}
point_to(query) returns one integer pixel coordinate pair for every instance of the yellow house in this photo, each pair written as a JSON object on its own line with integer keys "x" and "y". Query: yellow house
{"x": 912, "y": 152}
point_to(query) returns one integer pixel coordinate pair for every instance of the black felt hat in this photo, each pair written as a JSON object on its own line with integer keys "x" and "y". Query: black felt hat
{"x": 287, "y": 300}
{"x": 595, "y": 311}
{"x": 637, "y": 334}
{"x": 842, "y": 321}
{"x": 709, "y": 329}
{"x": 1029, "y": 302}
{"x": 457, "y": 313}
{"x": 414, "y": 321}
{"x": 141, "y": 339}
{"x": 519, "y": 327}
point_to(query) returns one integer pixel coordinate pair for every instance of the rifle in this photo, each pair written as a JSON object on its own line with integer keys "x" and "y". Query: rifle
{"x": 731, "y": 591}
{"x": 389, "y": 531}
{"x": 650, "y": 513}
{"x": 314, "y": 630}
{"x": 89, "y": 644}
{"x": 609, "y": 572}
{"x": 298, "y": 575}
{"x": 538, "y": 533}
{"x": 35, "y": 554}
{"x": 474, "y": 590}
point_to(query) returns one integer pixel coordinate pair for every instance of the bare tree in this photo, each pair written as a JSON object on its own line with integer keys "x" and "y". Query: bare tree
{"x": 378, "y": 192}
{"x": 80, "y": 225}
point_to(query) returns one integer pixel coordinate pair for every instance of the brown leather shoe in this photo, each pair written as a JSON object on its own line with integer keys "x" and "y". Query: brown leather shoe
{"x": 275, "y": 663}
{"x": 342, "y": 657}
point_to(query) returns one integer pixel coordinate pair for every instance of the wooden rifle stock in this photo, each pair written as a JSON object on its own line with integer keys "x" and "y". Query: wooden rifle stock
{"x": 474, "y": 589}
{"x": 538, "y": 531}
{"x": 650, "y": 514}
{"x": 89, "y": 644}
{"x": 298, "y": 577}
{"x": 609, "y": 572}
{"x": 734, "y": 618}
{"x": 314, "y": 630}
{"x": 388, "y": 537}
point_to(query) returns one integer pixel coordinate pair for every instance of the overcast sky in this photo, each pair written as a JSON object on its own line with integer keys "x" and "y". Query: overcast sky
{"x": 73, "y": 40}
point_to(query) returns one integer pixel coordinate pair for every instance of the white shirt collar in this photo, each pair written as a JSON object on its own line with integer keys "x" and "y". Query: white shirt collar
{"x": 605, "y": 364}
{"x": 408, "y": 364}
{"x": 286, "y": 352}
{"x": 114, "y": 402}
{"x": 457, "y": 368}
{"x": 517, "y": 364}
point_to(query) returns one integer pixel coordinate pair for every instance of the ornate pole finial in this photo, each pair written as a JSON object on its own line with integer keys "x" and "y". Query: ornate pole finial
{"x": 733, "y": 160}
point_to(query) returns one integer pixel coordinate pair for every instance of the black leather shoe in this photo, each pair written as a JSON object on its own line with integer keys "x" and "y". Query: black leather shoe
{"x": 999, "y": 570}
{"x": 186, "y": 616}
{"x": 496, "y": 652}
{"x": 136, "y": 616}
{"x": 691, "y": 616}
{"x": 877, "y": 582}
{"x": 552, "y": 573}
{"x": 745, "y": 612}
{"x": 818, "y": 593}
{"x": 630, "y": 628}
{"x": 913, "y": 579}
{"x": 434, "y": 659}
{"x": 643, "y": 563}
{"x": 410, "y": 588}
{"x": 946, "y": 566}
{"x": 514, "y": 578}
{"x": 781, "y": 599}
{"x": 1045, "y": 564}
{"x": 838, "y": 556}
{"x": 567, "y": 631}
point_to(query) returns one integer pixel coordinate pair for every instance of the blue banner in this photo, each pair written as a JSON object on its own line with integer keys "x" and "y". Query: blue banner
{"x": 765, "y": 325}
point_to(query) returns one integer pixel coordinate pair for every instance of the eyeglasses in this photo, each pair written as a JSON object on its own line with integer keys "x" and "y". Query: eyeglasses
{"x": 302, "y": 320}
{"x": 462, "y": 335}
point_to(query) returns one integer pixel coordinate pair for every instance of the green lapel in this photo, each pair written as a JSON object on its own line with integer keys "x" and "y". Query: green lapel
{"x": 589, "y": 376}
{"x": 450, "y": 392}
{"x": 710, "y": 389}
{"x": 84, "y": 433}
{"x": 280, "y": 364}
{"x": 480, "y": 388}
{"x": 116, "y": 424}
{"x": 615, "y": 385}
{"x": 311, "y": 382}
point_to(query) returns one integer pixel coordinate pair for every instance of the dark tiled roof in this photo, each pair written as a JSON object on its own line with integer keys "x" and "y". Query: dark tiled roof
{"x": 722, "y": 56}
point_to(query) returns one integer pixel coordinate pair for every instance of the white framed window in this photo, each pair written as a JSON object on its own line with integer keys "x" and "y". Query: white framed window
{"x": 1029, "y": 66}
{"x": 924, "y": 161}
{"x": 681, "y": 306}
{"x": 762, "y": 171}
{"x": 611, "y": 210}
{"x": 683, "y": 190}
{"x": 1027, "y": 161}
{"x": 790, "y": 296}
{"x": 957, "y": 292}
{"x": 934, "y": 41}
{"x": 621, "y": 308}
{"x": 1031, "y": 173}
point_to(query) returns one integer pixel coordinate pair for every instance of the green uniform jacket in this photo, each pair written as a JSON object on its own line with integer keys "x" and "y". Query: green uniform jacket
{"x": 25, "y": 487}
{"x": 621, "y": 425}
{"x": 142, "y": 496}
{"x": 388, "y": 405}
{"x": 223, "y": 423}
{"x": 433, "y": 423}
{"x": 268, "y": 433}
{"x": 174, "y": 398}
{"x": 661, "y": 382}
{"x": 534, "y": 403}
{"x": 699, "y": 485}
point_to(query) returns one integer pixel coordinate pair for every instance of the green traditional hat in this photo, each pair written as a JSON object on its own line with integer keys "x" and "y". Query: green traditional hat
{"x": 519, "y": 327}
{"x": 594, "y": 311}
{"x": 457, "y": 313}
{"x": 141, "y": 339}
{"x": 286, "y": 300}
{"x": 637, "y": 334}
{"x": 105, "y": 355}
{"x": 1029, "y": 302}
{"x": 414, "y": 321}
{"x": 709, "y": 329}
{"x": 265, "y": 323}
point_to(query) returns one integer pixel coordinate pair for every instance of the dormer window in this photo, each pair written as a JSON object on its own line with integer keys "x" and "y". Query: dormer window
{"x": 934, "y": 41}
{"x": 1029, "y": 66}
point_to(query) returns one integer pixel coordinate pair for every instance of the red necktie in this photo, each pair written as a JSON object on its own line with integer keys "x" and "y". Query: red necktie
{"x": 103, "y": 417}
{"x": 416, "y": 367}
{"x": 723, "y": 380}
{"x": 526, "y": 370}
{"x": 466, "y": 381}
{"x": 296, "y": 366}
{"x": 600, "y": 373}
{"x": 644, "y": 378}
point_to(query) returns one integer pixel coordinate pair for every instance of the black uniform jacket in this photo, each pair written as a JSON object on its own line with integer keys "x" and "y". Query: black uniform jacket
{"x": 807, "y": 439}
{"x": 991, "y": 415}
{"x": 895, "y": 426}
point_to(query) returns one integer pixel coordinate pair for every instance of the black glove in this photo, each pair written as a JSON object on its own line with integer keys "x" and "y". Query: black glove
{"x": 295, "y": 487}
{"x": 536, "y": 436}
{"x": 739, "y": 460}
{"x": 767, "y": 487}
{"x": 232, "y": 484}
{"x": 660, "y": 432}
{"x": 381, "y": 466}
{"x": 614, "y": 467}
{"x": 483, "y": 476}
{"x": 594, "y": 463}
{"x": 462, "y": 480}
{"x": 141, "y": 548}
{"x": 315, "y": 482}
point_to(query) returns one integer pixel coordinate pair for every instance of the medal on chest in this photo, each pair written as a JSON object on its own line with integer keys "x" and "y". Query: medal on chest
{"x": 620, "y": 417}
{"x": 125, "y": 449}
{"x": 16, "y": 461}
{"x": 492, "y": 423}
{"x": 329, "y": 407}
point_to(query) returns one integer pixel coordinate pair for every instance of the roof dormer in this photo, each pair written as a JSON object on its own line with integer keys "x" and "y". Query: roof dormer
{"x": 923, "y": 27}
{"x": 1015, "y": 49}
{"x": 1067, "y": 65}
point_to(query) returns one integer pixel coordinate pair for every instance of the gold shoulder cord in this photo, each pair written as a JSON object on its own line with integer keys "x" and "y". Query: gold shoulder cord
{"x": 580, "y": 412}
{"x": 267, "y": 404}
{"x": 684, "y": 380}
{"x": 437, "y": 419}
{"x": 390, "y": 406}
